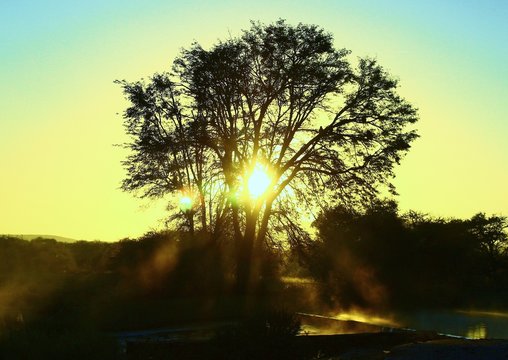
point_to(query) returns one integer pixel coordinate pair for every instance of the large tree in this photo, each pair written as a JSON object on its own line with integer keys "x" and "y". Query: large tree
{"x": 259, "y": 129}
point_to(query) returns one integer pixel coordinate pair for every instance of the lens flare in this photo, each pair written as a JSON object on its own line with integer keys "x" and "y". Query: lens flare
{"x": 185, "y": 203}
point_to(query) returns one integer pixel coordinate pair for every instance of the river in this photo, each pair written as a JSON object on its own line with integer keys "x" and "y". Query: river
{"x": 467, "y": 324}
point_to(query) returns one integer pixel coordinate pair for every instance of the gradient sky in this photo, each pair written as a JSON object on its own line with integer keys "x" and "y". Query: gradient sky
{"x": 59, "y": 108}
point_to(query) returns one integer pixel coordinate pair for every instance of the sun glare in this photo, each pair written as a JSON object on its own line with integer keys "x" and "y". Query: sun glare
{"x": 185, "y": 203}
{"x": 258, "y": 181}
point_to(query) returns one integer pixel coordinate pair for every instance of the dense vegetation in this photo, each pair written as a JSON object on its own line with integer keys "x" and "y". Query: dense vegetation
{"x": 64, "y": 299}
{"x": 77, "y": 293}
{"x": 378, "y": 258}
{"x": 375, "y": 257}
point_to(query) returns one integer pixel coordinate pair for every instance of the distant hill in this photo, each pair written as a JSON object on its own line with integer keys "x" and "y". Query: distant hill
{"x": 35, "y": 236}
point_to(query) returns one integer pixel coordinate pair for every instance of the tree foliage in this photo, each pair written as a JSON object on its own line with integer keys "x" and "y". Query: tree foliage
{"x": 279, "y": 99}
{"x": 377, "y": 257}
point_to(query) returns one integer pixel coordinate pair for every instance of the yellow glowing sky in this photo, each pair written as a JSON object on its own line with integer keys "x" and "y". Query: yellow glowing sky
{"x": 58, "y": 104}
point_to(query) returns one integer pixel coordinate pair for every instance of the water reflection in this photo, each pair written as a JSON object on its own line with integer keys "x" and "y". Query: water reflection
{"x": 313, "y": 324}
{"x": 477, "y": 332}
{"x": 469, "y": 324}
{"x": 473, "y": 325}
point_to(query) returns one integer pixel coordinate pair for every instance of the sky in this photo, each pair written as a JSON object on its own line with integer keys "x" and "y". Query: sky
{"x": 60, "y": 111}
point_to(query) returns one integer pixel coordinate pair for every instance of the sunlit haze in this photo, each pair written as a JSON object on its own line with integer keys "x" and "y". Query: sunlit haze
{"x": 61, "y": 113}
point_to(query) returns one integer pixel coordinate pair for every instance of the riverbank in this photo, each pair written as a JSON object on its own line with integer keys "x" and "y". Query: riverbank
{"x": 371, "y": 346}
{"x": 322, "y": 337}
{"x": 300, "y": 347}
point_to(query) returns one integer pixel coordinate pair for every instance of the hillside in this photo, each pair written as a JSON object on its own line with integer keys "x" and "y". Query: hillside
{"x": 35, "y": 236}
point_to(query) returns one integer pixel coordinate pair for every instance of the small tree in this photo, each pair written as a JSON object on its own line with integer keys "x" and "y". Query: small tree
{"x": 261, "y": 128}
{"x": 491, "y": 238}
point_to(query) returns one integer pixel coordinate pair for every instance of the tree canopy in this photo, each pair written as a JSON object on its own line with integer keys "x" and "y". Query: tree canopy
{"x": 446, "y": 263}
{"x": 261, "y": 128}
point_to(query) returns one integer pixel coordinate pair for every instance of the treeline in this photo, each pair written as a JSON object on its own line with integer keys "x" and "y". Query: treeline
{"x": 112, "y": 286}
{"x": 374, "y": 258}
{"x": 378, "y": 258}
{"x": 61, "y": 300}
{"x": 156, "y": 251}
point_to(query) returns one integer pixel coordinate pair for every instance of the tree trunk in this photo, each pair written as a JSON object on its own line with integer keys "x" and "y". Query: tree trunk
{"x": 190, "y": 219}
{"x": 263, "y": 227}
{"x": 244, "y": 256}
{"x": 203, "y": 211}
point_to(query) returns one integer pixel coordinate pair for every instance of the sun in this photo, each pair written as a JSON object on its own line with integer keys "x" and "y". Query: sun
{"x": 258, "y": 182}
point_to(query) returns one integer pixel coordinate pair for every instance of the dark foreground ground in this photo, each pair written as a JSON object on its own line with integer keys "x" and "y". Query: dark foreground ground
{"x": 450, "y": 349}
{"x": 375, "y": 346}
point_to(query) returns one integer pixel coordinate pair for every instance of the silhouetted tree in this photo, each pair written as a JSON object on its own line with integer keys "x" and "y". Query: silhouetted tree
{"x": 490, "y": 233}
{"x": 279, "y": 99}
{"x": 491, "y": 240}
{"x": 413, "y": 259}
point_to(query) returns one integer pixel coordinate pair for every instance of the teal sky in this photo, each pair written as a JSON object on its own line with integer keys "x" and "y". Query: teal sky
{"x": 59, "y": 107}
